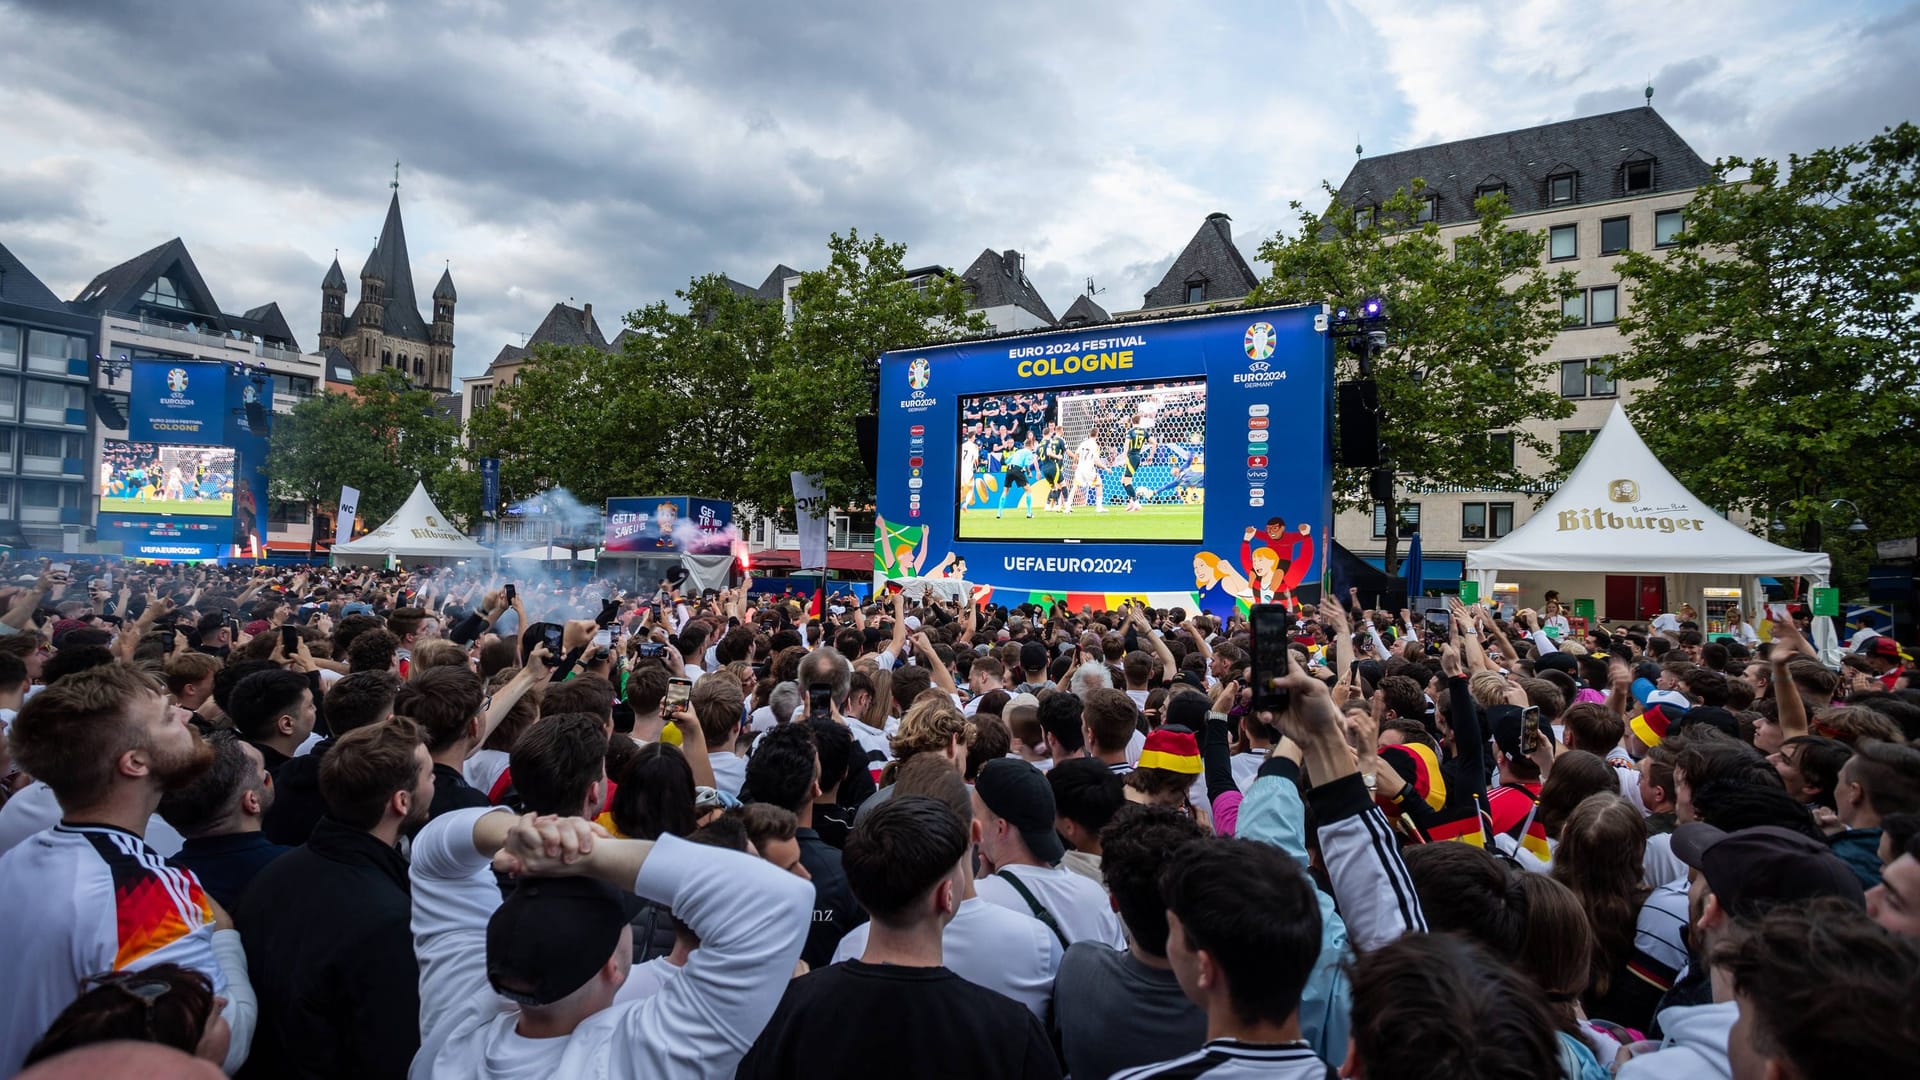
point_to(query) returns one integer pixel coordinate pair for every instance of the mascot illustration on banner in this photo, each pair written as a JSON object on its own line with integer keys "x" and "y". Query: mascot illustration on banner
{"x": 1276, "y": 567}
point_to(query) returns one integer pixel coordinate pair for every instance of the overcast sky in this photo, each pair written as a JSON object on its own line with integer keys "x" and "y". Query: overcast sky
{"x": 607, "y": 152}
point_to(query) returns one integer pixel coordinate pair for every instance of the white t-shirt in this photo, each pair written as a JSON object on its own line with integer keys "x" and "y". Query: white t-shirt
{"x": 1138, "y": 697}
{"x": 483, "y": 769}
{"x": 729, "y": 770}
{"x": 33, "y": 808}
{"x": 987, "y": 945}
{"x": 646, "y": 980}
{"x": 1661, "y": 865}
{"x": 870, "y": 738}
{"x": 1078, "y": 905}
{"x": 1135, "y": 746}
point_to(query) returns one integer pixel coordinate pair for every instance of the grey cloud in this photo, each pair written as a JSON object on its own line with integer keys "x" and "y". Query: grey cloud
{"x": 55, "y": 190}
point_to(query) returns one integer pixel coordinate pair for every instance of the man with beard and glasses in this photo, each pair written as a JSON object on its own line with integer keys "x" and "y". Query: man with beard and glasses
{"x": 326, "y": 924}
{"x": 88, "y": 895}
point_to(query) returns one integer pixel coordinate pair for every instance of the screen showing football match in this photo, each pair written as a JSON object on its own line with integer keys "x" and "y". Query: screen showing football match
{"x": 160, "y": 478}
{"x": 1095, "y": 463}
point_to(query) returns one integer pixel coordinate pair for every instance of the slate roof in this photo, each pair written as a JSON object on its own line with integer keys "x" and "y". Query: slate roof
{"x": 119, "y": 288}
{"x": 339, "y": 367}
{"x": 390, "y": 264}
{"x": 1593, "y": 148}
{"x": 775, "y": 284}
{"x": 444, "y": 290}
{"x": 1210, "y": 257}
{"x": 563, "y": 325}
{"x": 334, "y": 279}
{"x": 19, "y": 286}
{"x": 1084, "y": 312}
{"x": 997, "y": 279}
{"x": 268, "y": 324}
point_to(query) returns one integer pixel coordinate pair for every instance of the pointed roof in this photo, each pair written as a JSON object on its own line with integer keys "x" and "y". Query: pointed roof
{"x": 19, "y": 286}
{"x": 444, "y": 290}
{"x": 1591, "y": 147}
{"x": 1621, "y": 511}
{"x": 999, "y": 279}
{"x": 418, "y": 530}
{"x": 1209, "y": 257}
{"x": 390, "y": 264}
{"x": 334, "y": 279}
{"x": 566, "y": 325}
{"x": 268, "y": 323}
{"x": 1084, "y": 312}
{"x": 120, "y": 288}
{"x": 776, "y": 281}
{"x": 339, "y": 366}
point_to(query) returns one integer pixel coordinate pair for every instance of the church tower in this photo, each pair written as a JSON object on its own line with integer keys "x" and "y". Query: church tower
{"x": 333, "y": 306}
{"x": 440, "y": 374}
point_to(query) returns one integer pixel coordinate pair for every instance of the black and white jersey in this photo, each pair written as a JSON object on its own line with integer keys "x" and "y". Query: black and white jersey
{"x": 1231, "y": 1059}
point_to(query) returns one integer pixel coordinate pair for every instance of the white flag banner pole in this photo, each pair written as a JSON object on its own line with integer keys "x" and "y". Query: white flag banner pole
{"x": 810, "y": 511}
{"x": 343, "y": 521}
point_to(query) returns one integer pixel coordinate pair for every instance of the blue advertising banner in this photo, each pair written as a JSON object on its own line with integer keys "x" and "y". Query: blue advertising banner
{"x": 1187, "y": 462}
{"x": 249, "y": 388}
{"x": 489, "y": 486}
{"x": 669, "y": 523}
{"x": 178, "y": 401}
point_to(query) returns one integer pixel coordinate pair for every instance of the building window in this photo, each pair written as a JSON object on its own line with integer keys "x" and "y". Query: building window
{"x": 292, "y": 386}
{"x": 1409, "y": 519}
{"x": 1604, "y": 306}
{"x": 1614, "y": 235}
{"x": 1560, "y": 188}
{"x": 419, "y": 367}
{"x": 386, "y": 358}
{"x": 1363, "y": 217}
{"x": 9, "y": 398}
{"x": 49, "y": 352}
{"x": 1574, "y": 443}
{"x": 49, "y": 495}
{"x": 1428, "y": 208}
{"x": 1666, "y": 227}
{"x": 1574, "y": 308}
{"x": 162, "y": 293}
{"x": 284, "y": 512}
{"x": 1196, "y": 291}
{"x": 1586, "y": 378}
{"x": 1488, "y": 190}
{"x": 6, "y": 450}
{"x": 1638, "y": 177}
{"x": 9, "y": 346}
{"x": 1485, "y": 521}
{"x": 1563, "y": 242}
{"x": 49, "y": 403}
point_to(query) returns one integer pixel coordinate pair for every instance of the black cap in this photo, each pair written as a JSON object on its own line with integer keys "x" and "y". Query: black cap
{"x": 1033, "y": 657}
{"x": 1508, "y": 723}
{"x": 1018, "y": 792}
{"x": 1751, "y": 870}
{"x": 551, "y": 934}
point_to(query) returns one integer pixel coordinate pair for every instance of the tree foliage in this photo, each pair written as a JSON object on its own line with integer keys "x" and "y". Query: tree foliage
{"x": 1466, "y": 330}
{"x": 1784, "y": 335}
{"x": 381, "y": 439}
{"x": 722, "y": 394}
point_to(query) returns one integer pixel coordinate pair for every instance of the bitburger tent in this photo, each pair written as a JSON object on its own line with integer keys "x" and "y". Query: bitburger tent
{"x": 1622, "y": 512}
{"x": 416, "y": 532}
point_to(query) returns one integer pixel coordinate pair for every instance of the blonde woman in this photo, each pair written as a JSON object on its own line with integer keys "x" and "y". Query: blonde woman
{"x": 1210, "y": 570}
{"x": 933, "y": 725}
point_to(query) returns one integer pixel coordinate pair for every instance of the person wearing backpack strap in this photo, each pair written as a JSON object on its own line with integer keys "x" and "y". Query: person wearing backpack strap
{"x": 1020, "y": 855}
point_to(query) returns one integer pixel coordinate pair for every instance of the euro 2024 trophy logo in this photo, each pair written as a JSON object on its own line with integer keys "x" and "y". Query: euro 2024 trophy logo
{"x": 1259, "y": 341}
{"x": 919, "y": 372}
{"x": 177, "y": 380}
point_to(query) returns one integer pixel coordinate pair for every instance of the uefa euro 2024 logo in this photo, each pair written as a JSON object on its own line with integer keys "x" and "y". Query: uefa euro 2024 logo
{"x": 918, "y": 373}
{"x": 1259, "y": 341}
{"x": 177, "y": 380}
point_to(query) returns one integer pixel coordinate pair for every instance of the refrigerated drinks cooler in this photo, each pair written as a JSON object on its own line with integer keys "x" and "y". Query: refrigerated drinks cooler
{"x": 1715, "y": 606}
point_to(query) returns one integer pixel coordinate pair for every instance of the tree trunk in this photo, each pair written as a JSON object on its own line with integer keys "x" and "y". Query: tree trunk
{"x": 313, "y": 531}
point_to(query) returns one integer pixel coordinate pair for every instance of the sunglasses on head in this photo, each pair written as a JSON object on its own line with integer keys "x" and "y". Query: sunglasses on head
{"x": 145, "y": 990}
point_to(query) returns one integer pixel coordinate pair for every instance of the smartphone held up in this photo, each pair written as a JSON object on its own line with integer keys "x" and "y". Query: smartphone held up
{"x": 1271, "y": 625}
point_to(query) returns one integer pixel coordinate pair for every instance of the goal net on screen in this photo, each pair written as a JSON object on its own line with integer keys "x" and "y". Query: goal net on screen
{"x": 1174, "y": 416}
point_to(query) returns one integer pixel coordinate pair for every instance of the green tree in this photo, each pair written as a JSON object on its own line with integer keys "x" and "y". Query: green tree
{"x": 381, "y": 439}
{"x": 822, "y": 373}
{"x": 1465, "y": 330}
{"x": 1782, "y": 330}
{"x": 570, "y": 419}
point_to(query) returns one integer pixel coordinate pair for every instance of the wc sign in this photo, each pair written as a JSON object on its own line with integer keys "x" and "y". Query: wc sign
{"x": 810, "y": 512}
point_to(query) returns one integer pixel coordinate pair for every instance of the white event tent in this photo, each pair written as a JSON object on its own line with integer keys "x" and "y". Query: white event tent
{"x": 1622, "y": 512}
{"x": 417, "y": 532}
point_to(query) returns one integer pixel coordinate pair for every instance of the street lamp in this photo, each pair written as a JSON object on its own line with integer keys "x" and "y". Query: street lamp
{"x": 1858, "y": 526}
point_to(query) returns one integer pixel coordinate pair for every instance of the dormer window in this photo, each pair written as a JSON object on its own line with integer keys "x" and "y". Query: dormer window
{"x": 1560, "y": 188}
{"x": 1363, "y": 217}
{"x": 1428, "y": 208}
{"x": 1196, "y": 291}
{"x": 1637, "y": 177}
{"x": 1489, "y": 189}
